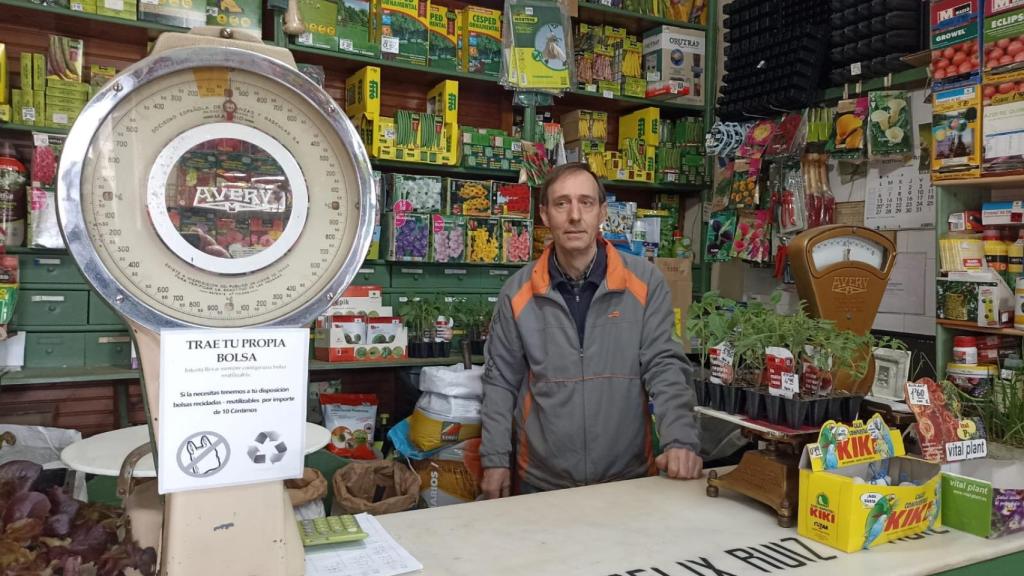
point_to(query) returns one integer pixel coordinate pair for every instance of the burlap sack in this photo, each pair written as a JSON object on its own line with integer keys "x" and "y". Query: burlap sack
{"x": 312, "y": 486}
{"x": 377, "y": 487}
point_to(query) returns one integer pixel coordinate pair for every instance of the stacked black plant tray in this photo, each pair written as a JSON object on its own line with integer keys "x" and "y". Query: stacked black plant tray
{"x": 776, "y": 57}
{"x": 869, "y": 37}
{"x": 757, "y": 404}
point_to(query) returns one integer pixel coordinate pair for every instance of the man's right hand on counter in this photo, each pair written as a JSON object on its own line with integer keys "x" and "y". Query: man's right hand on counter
{"x": 496, "y": 483}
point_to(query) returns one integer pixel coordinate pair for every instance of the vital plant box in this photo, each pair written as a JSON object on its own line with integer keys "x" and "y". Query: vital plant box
{"x": 981, "y": 298}
{"x": 851, "y": 515}
{"x": 354, "y": 28}
{"x": 327, "y": 347}
{"x": 984, "y": 497}
{"x": 403, "y": 30}
{"x": 321, "y": 20}
{"x": 184, "y": 13}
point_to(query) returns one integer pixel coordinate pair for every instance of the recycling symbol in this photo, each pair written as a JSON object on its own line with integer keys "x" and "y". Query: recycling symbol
{"x": 267, "y": 447}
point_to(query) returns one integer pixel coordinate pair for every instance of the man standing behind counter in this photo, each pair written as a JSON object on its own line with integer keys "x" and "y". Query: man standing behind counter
{"x": 578, "y": 340}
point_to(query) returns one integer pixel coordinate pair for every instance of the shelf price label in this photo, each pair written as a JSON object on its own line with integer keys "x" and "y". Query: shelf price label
{"x": 389, "y": 44}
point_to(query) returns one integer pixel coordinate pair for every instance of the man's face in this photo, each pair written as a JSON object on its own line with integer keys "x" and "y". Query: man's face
{"x": 574, "y": 212}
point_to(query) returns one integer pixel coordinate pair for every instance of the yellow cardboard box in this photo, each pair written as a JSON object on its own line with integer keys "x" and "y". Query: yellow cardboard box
{"x": 643, "y": 124}
{"x": 362, "y": 92}
{"x": 839, "y": 505}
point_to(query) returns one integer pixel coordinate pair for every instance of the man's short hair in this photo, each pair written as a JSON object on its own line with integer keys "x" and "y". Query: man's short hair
{"x": 560, "y": 172}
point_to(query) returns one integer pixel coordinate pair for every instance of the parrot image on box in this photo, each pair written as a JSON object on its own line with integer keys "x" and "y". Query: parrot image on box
{"x": 827, "y": 443}
{"x": 933, "y": 515}
{"x": 882, "y": 440}
{"x": 879, "y": 514}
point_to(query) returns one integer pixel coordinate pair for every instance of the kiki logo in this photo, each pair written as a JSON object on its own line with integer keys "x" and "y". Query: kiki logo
{"x": 848, "y": 285}
{"x": 857, "y": 446}
{"x": 820, "y": 511}
{"x": 900, "y": 519}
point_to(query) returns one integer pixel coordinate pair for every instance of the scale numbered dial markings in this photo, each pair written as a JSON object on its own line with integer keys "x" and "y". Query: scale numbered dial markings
{"x": 220, "y": 198}
{"x": 843, "y": 249}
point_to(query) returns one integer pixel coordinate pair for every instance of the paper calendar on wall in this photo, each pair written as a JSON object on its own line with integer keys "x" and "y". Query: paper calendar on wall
{"x": 899, "y": 197}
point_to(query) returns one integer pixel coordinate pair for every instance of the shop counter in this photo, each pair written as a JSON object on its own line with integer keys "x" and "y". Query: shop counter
{"x": 661, "y": 527}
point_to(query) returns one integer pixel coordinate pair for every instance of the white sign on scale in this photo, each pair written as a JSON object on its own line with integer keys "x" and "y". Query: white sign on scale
{"x": 232, "y": 406}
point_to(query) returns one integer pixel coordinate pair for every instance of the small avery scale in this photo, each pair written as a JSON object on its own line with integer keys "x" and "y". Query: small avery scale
{"x": 219, "y": 201}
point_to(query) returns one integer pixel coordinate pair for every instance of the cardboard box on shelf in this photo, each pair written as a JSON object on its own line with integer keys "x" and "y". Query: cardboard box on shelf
{"x": 386, "y": 339}
{"x": 444, "y": 38}
{"x": 321, "y": 20}
{"x": 481, "y": 40}
{"x": 362, "y": 92}
{"x": 123, "y": 9}
{"x": 354, "y": 23}
{"x": 403, "y": 30}
{"x": 238, "y": 14}
{"x": 674, "y": 64}
{"x": 183, "y": 13}
{"x": 837, "y": 504}
{"x": 981, "y": 297}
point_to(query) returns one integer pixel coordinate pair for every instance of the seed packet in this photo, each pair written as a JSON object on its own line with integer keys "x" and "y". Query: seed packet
{"x": 721, "y": 231}
{"x": 847, "y": 138}
{"x": 889, "y": 125}
{"x": 753, "y": 241}
{"x": 757, "y": 138}
{"x": 745, "y": 192}
{"x": 720, "y": 198}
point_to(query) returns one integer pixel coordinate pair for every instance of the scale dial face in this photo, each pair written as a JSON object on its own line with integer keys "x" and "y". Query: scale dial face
{"x": 215, "y": 187}
{"x": 843, "y": 249}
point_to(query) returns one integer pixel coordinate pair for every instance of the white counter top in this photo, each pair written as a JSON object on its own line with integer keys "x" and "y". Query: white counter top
{"x": 648, "y": 527}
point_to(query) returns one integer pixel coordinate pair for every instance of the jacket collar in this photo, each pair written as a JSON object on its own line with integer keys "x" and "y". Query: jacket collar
{"x": 615, "y": 277}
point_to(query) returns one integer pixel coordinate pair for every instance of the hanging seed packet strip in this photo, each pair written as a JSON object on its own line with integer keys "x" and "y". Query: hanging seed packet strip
{"x": 721, "y": 231}
{"x": 889, "y": 125}
{"x": 956, "y": 131}
{"x": 847, "y": 138}
{"x": 1003, "y": 111}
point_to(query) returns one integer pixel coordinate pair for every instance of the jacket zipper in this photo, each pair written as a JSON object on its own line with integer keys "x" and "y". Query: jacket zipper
{"x": 583, "y": 392}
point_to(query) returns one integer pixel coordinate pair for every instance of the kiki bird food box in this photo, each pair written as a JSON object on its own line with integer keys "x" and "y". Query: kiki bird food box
{"x": 858, "y": 489}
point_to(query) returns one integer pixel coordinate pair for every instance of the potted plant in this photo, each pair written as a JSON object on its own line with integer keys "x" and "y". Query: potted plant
{"x": 419, "y": 315}
{"x": 711, "y": 320}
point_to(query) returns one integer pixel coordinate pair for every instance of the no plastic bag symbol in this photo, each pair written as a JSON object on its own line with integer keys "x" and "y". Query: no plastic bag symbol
{"x": 203, "y": 454}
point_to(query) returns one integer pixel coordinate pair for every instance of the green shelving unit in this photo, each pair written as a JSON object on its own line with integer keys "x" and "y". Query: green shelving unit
{"x": 631, "y": 21}
{"x": 957, "y": 196}
{"x": 26, "y": 128}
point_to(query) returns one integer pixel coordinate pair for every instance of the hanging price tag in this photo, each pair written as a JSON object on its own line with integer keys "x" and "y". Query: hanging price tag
{"x": 855, "y": 69}
{"x": 917, "y": 394}
{"x": 389, "y": 44}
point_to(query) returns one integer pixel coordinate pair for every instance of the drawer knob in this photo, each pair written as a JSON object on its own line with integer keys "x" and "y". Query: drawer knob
{"x": 51, "y": 269}
{"x": 49, "y": 350}
{"x": 52, "y": 307}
